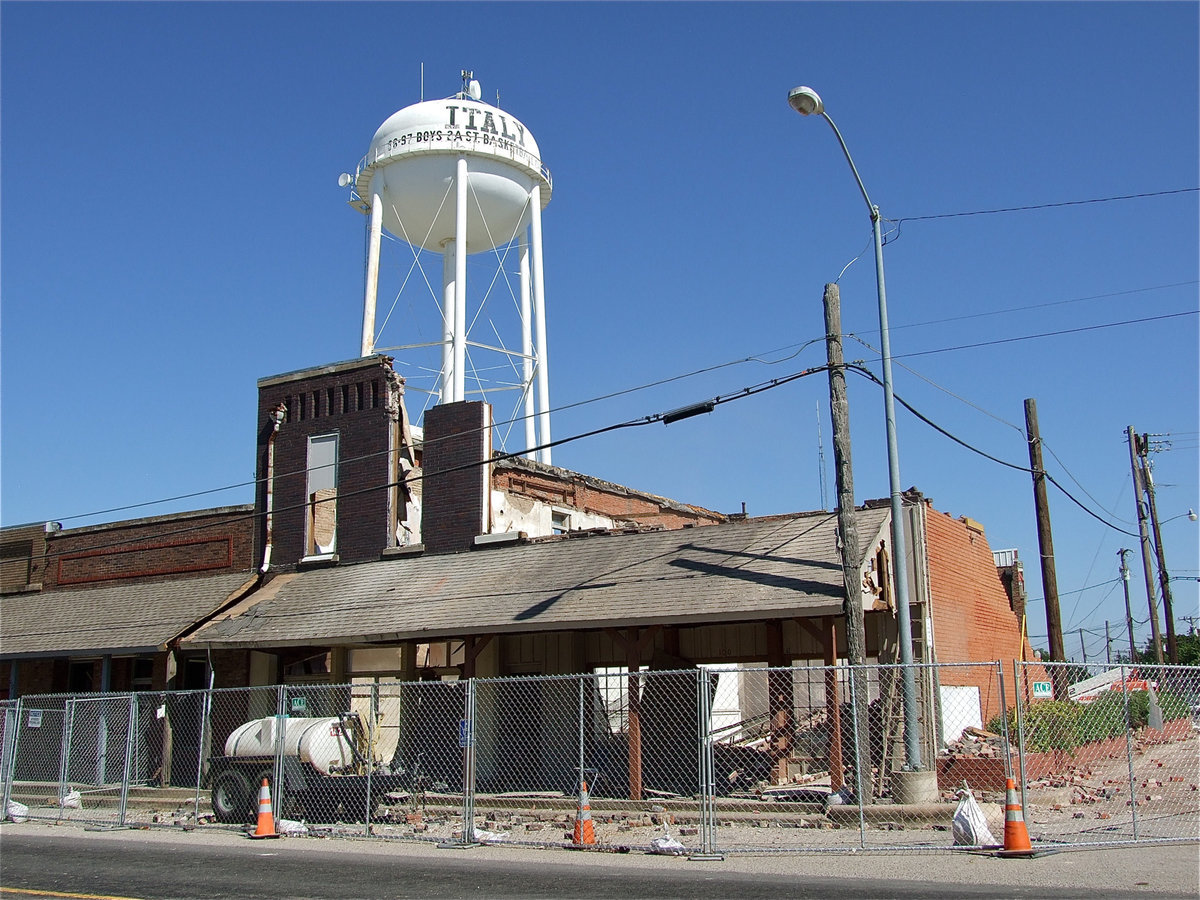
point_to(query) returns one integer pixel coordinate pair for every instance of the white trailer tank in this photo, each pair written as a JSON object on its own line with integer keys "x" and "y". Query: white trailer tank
{"x": 319, "y": 742}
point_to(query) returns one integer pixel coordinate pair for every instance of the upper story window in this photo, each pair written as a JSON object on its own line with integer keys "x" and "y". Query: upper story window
{"x": 560, "y": 522}
{"x": 321, "y": 524}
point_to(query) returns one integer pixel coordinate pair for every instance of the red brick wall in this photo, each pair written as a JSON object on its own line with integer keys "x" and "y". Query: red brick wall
{"x": 206, "y": 543}
{"x": 972, "y": 619}
{"x": 455, "y": 440}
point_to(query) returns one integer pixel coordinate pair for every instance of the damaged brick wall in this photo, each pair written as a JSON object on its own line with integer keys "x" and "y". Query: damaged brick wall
{"x": 972, "y": 618}
{"x": 356, "y": 400}
{"x": 571, "y": 490}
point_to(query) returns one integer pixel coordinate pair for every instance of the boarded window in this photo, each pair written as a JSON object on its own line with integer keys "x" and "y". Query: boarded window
{"x": 322, "y": 495}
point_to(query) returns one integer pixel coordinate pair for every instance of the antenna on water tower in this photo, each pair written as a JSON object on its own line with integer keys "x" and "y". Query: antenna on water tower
{"x": 453, "y": 178}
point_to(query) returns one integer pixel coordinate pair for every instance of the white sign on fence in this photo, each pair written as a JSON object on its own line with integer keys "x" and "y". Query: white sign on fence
{"x": 1042, "y": 690}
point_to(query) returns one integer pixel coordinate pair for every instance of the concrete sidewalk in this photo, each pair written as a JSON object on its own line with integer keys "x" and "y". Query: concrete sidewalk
{"x": 1161, "y": 870}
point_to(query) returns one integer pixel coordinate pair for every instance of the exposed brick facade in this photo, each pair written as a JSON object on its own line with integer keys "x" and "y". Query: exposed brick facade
{"x": 973, "y": 620}
{"x": 359, "y": 402}
{"x": 457, "y": 438}
{"x": 574, "y": 491}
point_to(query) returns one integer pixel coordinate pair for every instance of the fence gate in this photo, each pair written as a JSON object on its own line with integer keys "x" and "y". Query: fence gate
{"x": 97, "y": 745}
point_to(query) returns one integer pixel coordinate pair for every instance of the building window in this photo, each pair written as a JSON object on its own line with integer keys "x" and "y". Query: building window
{"x": 142, "y": 676}
{"x": 560, "y": 522}
{"x": 79, "y": 677}
{"x": 322, "y": 495}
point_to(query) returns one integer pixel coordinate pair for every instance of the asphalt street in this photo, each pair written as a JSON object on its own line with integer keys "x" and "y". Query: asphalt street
{"x": 41, "y": 860}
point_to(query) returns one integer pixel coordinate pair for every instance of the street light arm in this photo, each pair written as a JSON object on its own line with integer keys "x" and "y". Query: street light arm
{"x": 853, "y": 168}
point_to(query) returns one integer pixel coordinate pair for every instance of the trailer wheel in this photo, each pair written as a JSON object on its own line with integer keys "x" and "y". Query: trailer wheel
{"x": 231, "y": 795}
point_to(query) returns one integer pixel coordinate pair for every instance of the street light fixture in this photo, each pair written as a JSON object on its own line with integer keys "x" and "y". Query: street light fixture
{"x": 807, "y": 102}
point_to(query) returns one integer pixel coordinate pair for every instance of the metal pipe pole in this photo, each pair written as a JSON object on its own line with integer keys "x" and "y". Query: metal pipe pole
{"x": 371, "y": 292}
{"x": 460, "y": 282}
{"x": 912, "y": 738}
{"x": 542, "y": 369}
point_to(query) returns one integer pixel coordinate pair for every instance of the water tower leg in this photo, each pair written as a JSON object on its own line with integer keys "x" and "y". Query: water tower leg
{"x": 374, "y": 234}
{"x": 539, "y": 306}
{"x": 460, "y": 283}
{"x": 446, "y": 387}
{"x": 527, "y": 349}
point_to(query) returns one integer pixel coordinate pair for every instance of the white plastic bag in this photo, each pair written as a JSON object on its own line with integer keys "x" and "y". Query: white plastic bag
{"x": 18, "y": 812}
{"x": 290, "y": 827}
{"x": 970, "y": 826}
{"x": 71, "y": 800}
{"x": 667, "y": 845}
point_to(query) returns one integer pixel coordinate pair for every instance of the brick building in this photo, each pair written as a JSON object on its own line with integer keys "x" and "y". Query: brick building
{"x": 376, "y": 550}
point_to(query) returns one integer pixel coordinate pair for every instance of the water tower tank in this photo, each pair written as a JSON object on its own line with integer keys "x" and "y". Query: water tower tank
{"x": 456, "y": 177}
{"x": 412, "y": 163}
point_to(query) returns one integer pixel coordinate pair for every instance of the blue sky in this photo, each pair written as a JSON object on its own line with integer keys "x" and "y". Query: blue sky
{"x": 172, "y": 230}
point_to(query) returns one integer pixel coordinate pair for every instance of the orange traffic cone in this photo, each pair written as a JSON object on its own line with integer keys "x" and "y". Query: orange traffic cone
{"x": 266, "y": 818}
{"x": 1016, "y": 835}
{"x": 585, "y": 831}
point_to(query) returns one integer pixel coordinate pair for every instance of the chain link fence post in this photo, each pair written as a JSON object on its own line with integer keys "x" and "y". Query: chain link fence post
{"x": 858, "y": 774}
{"x": 130, "y": 736}
{"x": 706, "y": 793}
{"x": 1020, "y": 675}
{"x": 1133, "y": 803}
{"x": 203, "y": 749}
{"x": 467, "y": 738}
{"x": 12, "y": 730}
{"x": 372, "y": 739}
{"x": 1004, "y": 736}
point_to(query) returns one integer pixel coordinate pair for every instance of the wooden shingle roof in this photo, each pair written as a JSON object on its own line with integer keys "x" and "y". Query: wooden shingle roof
{"x": 760, "y": 568}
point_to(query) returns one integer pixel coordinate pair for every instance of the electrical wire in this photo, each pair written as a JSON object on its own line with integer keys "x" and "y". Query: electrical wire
{"x": 1044, "y": 334}
{"x": 665, "y": 417}
{"x": 658, "y": 383}
{"x": 871, "y": 375}
{"x": 796, "y": 349}
{"x": 988, "y": 212}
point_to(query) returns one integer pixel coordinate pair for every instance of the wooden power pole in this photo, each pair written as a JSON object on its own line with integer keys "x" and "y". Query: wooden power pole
{"x": 856, "y": 641}
{"x": 1046, "y": 546}
{"x": 1164, "y": 580}
{"x": 1143, "y": 514}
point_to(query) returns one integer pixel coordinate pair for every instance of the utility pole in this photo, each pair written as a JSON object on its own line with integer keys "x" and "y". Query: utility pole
{"x": 1144, "y": 535}
{"x": 1082, "y": 647}
{"x": 856, "y": 641}
{"x": 1164, "y": 580}
{"x": 1046, "y": 546}
{"x": 1107, "y": 644}
{"x": 1128, "y": 610}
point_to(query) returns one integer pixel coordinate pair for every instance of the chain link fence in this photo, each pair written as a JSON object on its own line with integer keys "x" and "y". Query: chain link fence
{"x": 717, "y": 759}
{"x": 1108, "y": 753}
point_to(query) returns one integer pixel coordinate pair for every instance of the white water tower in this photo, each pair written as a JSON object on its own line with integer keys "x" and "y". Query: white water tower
{"x": 454, "y": 178}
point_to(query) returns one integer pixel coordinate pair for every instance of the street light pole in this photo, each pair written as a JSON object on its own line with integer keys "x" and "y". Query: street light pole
{"x": 807, "y": 102}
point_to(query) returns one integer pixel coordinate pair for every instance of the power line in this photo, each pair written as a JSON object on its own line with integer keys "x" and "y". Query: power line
{"x": 1044, "y": 334}
{"x": 988, "y": 212}
{"x": 758, "y": 357}
{"x": 1035, "y": 306}
{"x": 871, "y": 375}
